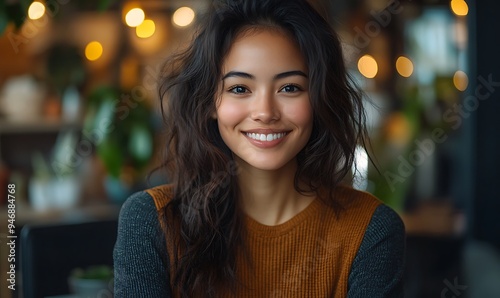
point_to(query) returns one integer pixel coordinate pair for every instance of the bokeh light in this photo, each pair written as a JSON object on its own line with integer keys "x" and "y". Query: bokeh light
{"x": 134, "y": 17}
{"x": 36, "y": 10}
{"x": 404, "y": 66}
{"x": 183, "y": 16}
{"x": 461, "y": 80}
{"x": 146, "y": 29}
{"x": 368, "y": 66}
{"x": 459, "y": 7}
{"x": 93, "y": 50}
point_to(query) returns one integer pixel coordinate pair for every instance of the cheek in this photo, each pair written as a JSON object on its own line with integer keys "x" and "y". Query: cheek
{"x": 230, "y": 113}
{"x": 300, "y": 113}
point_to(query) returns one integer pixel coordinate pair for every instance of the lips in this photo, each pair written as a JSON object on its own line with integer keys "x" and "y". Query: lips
{"x": 265, "y": 138}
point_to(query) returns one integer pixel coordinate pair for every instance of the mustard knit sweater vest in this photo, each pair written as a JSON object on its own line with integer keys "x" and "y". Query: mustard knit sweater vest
{"x": 308, "y": 256}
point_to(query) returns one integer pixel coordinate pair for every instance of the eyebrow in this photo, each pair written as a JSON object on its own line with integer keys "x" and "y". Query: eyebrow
{"x": 252, "y": 77}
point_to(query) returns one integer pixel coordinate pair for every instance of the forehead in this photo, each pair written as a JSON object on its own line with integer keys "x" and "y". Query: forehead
{"x": 264, "y": 49}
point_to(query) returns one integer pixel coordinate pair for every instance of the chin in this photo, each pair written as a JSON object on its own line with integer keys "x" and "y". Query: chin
{"x": 267, "y": 165}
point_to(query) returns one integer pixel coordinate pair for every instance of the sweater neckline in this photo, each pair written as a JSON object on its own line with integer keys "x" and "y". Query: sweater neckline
{"x": 257, "y": 228}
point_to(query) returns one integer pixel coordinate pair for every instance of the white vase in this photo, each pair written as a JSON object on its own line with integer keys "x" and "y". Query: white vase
{"x": 55, "y": 193}
{"x": 65, "y": 192}
{"x": 40, "y": 194}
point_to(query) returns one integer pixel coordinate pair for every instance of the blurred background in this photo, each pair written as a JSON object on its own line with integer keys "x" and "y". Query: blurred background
{"x": 80, "y": 130}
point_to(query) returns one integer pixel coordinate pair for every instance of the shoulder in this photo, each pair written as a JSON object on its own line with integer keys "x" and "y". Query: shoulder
{"x": 385, "y": 227}
{"x": 363, "y": 212}
{"x": 351, "y": 198}
{"x": 142, "y": 207}
{"x": 138, "y": 212}
{"x": 347, "y": 217}
{"x": 386, "y": 220}
{"x": 381, "y": 217}
{"x": 161, "y": 195}
{"x": 381, "y": 221}
{"x": 378, "y": 269}
{"x": 352, "y": 207}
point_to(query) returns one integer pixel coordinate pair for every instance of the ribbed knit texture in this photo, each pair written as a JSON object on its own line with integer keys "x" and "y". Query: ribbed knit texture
{"x": 308, "y": 256}
{"x": 142, "y": 259}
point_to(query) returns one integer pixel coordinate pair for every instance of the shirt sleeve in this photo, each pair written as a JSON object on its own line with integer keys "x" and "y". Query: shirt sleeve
{"x": 140, "y": 255}
{"x": 378, "y": 268}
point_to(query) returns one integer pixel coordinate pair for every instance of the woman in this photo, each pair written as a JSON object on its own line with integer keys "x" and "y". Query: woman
{"x": 262, "y": 124}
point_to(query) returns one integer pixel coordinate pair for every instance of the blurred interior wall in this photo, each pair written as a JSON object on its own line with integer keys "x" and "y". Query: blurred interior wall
{"x": 483, "y": 103}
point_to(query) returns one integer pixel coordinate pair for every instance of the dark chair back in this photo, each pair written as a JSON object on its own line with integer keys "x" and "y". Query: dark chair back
{"x": 50, "y": 252}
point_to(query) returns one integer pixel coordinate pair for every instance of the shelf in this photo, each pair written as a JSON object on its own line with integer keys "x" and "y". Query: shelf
{"x": 26, "y": 215}
{"x": 37, "y": 126}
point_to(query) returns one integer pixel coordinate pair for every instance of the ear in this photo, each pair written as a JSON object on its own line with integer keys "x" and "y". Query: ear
{"x": 214, "y": 115}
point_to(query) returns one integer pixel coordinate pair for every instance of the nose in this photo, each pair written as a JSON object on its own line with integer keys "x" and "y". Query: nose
{"x": 264, "y": 108}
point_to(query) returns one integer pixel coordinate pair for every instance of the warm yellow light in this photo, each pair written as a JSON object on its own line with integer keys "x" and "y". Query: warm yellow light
{"x": 36, "y": 10}
{"x": 146, "y": 29}
{"x": 134, "y": 17}
{"x": 368, "y": 66}
{"x": 93, "y": 50}
{"x": 459, "y": 7}
{"x": 183, "y": 16}
{"x": 460, "y": 80}
{"x": 404, "y": 66}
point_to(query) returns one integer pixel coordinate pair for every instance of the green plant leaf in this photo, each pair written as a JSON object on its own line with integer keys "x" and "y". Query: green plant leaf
{"x": 111, "y": 155}
{"x": 104, "y": 120}
{"x": 104, "y": 5}
{"x": 102, "y": 272}
{"x": 25, "y": 4}
{"x": 16, "y": 14}
{"x": 65, "y": 66}
{"x": 102, "y": 94}
{"x": 4, "y": 18}
{"x": 41, "y": 169}
{"x": 140, "y": 144}
{"x": 127, "y": 137}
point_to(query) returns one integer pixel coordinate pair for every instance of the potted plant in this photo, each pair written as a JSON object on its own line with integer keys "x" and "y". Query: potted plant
{"x": 95, "y": 281}
{"x": 56, "y": 186}
{"x": 123, "y": 136}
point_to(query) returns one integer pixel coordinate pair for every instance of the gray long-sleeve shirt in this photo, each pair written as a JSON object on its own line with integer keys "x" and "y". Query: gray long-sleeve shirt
{"x": 142, "y": 262}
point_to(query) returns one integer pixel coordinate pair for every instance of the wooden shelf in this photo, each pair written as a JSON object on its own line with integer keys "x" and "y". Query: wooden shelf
{"x": 37, "y": 126}
{"x": 26, "y": 215}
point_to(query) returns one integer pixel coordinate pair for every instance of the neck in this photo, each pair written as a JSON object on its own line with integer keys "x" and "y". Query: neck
{"x": 269, "y": 197}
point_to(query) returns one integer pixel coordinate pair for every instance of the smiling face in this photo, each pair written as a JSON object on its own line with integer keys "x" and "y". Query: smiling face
{"x": 263, "y": 110}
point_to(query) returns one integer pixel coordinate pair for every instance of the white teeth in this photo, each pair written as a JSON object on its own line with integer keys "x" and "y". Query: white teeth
{"x": 264, "y": 137}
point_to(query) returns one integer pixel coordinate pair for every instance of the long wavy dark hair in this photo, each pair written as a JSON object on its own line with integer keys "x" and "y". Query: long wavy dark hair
{"x": 202, "y": 219}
